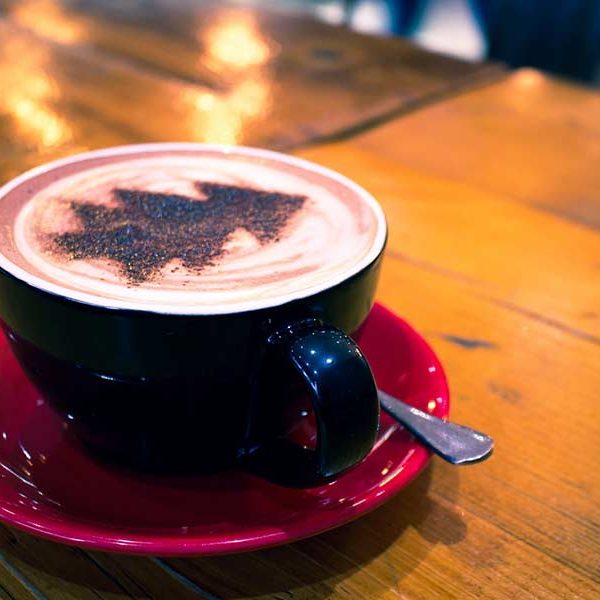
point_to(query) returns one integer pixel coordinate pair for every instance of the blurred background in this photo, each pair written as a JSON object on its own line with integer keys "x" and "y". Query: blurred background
{"x": 558, "y": 36}
{"x": 222, "y": 72}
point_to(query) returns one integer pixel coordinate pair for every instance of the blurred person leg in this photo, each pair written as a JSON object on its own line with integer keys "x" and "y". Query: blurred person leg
{"x": 561, "y": 37}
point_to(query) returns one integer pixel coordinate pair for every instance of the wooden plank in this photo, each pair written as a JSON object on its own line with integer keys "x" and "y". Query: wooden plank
{"x": 59, "y": 572}
{"x": 57, "y": 96}
{"x": 150, "y": 576}
{"x": 525, "y": 259}
{"x": 34, "y": 569}
{"x": 525, "y": 523}
{"x": 43, "y": 110}
{"x": 506, "y": 293}
{"x": 521, "y": 366}
{"x": 208, "y": 73}
{"x": 13, "y": 586}
{"x": 532, "y": 138}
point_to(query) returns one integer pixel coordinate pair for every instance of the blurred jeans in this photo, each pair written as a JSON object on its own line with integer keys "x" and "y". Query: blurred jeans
{"x": 560, "y": 36}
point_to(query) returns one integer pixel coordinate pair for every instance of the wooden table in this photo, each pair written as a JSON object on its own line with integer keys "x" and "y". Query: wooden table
{"x": 491, "y": 185}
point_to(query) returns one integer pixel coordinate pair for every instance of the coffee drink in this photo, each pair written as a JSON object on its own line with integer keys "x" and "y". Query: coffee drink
{"x": 182, "y": 230}
{"x": 184, "y": 306}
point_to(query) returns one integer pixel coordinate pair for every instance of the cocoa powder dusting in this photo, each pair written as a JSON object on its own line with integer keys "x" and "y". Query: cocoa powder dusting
{"x": 147, "y": 230}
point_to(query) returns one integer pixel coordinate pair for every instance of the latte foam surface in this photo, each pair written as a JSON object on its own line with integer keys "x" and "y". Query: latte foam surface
{"x": 186, "y": 228}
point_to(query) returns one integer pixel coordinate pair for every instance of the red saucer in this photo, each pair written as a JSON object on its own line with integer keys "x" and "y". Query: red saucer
{"x": 50, "y": 488}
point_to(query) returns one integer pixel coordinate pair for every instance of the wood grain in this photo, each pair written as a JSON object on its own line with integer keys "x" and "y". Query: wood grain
{"x": 492, "y": 201}
{"x": 506, "y": 250}
{"x": 530, "y": 138}
{"x": 507, "y": 294}
{"x": 13, "y": 586}
{"x": 84, "y": 74}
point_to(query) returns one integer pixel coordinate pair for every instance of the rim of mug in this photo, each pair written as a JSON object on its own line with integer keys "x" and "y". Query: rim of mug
{"x": 164, "y": 308}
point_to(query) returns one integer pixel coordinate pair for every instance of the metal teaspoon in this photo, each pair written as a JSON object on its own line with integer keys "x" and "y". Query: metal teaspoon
{"x": 455, "y": 443}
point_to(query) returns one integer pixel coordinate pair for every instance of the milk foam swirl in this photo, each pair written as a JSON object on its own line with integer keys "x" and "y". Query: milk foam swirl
{"x": 339, "y": 229}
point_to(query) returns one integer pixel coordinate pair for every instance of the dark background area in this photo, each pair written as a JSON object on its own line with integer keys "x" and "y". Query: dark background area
{"x": 558, "y": 36}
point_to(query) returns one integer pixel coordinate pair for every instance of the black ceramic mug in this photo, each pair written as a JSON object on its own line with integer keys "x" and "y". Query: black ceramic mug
{"x": 172, "y": 389}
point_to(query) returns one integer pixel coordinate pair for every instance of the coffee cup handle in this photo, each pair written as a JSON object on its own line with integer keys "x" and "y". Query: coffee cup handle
{"x": 343, "y": 394}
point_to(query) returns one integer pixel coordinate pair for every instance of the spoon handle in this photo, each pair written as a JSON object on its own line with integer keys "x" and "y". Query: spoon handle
{"x": 455, "y": 443}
